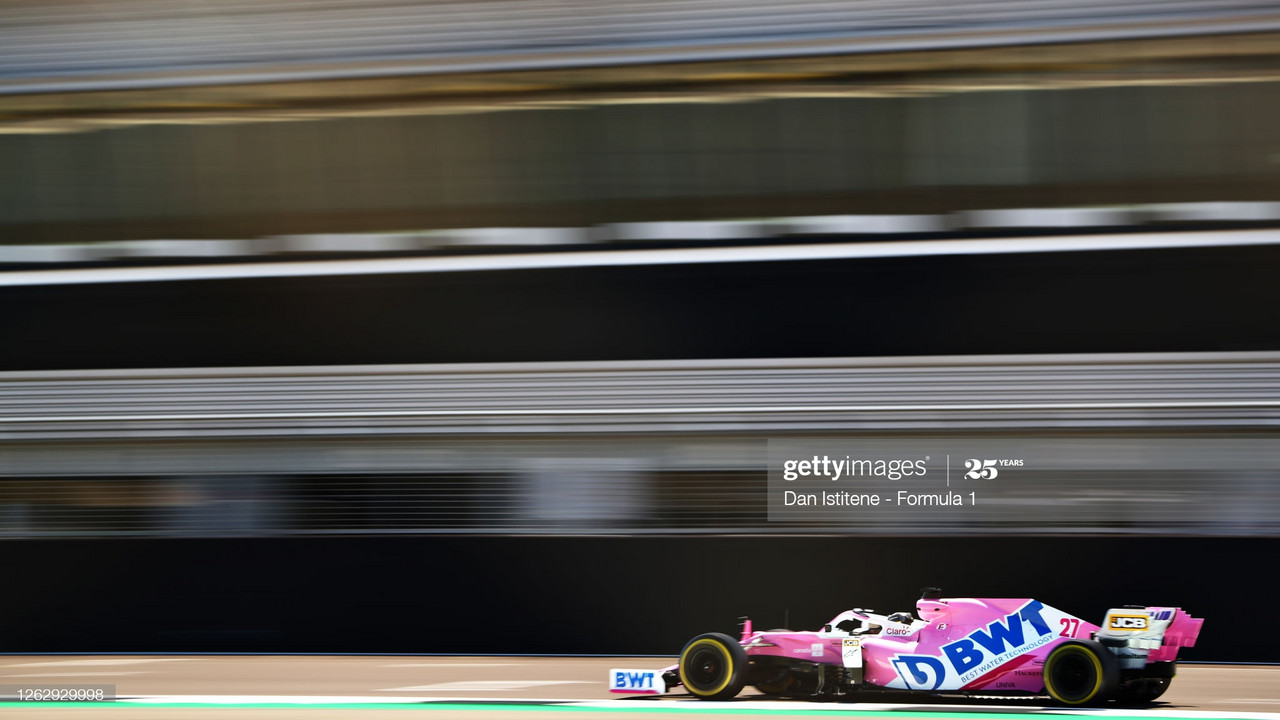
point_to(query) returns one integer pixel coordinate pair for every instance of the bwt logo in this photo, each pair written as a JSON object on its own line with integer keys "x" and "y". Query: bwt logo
{"x": 920, "y": 672}
{"x": 976, "y": 648}
{"x": 1008, "y": 634}
{"x": 1128, "y": 622}
{"x": 623, "y": 680}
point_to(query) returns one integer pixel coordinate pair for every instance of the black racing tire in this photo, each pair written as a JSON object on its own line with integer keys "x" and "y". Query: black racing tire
{"x": 713, "y": 667}
{"x": 1081, "y": 672}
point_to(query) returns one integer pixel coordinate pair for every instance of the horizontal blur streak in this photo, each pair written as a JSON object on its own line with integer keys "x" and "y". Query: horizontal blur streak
{"x": 65, "y": 45}
{"x": 1127, "y": 444}
{"x": 1115, "y": 444}
{"x": 632, "y": 258}
{"x": 670, "y": 158}
{"x": 779, "y": 395}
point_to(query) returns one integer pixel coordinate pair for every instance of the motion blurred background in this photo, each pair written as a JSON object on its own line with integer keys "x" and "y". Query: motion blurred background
{"x": 1048, "y": 223}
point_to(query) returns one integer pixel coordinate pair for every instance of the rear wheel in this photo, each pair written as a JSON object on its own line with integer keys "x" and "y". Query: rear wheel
{"x": 713, "y": 667}
{"x": 1081, "y": 672}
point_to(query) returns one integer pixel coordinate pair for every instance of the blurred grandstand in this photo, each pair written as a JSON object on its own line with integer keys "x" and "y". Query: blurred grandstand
{"x": 157, "y": 43}
{"x": 1113, "y": 444}
{"x": 141, "y": 132}
{"x": 348, "y": 127}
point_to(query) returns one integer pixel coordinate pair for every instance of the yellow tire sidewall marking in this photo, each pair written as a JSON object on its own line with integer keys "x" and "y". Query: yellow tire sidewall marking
{"x": 728, "y": 657}
{"x": 1079, "y": 650}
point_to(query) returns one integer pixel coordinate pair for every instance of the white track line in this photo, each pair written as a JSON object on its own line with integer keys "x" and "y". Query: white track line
{"x": 271, "y": 699}
{"x": 96, "y": 662}
{"x": 485, "y": 685}
{"x": 452, "y": 664}
{"x": 103, "y": 673}
{"x": 619, "y": 258}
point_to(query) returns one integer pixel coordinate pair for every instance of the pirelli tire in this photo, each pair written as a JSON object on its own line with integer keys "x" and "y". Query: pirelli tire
{"x": 713, "y": 667}
{"x": 1081, "y": 673}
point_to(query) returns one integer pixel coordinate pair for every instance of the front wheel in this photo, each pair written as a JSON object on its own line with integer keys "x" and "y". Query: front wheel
{"x": 713, "y": 667}
{"x": 1081, "y": 672}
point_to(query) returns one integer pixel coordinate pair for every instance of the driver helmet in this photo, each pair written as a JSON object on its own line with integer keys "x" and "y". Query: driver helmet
{"x": 901, "y": 617}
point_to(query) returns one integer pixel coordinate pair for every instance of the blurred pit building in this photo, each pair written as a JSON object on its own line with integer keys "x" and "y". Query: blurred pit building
{"x": 467, "y": 280}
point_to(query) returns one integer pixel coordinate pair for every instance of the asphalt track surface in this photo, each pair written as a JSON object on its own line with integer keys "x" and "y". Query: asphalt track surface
{"x": 497, "y": 688}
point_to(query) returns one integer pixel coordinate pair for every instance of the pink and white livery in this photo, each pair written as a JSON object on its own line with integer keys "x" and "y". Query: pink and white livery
{"x": 987, "y": 646}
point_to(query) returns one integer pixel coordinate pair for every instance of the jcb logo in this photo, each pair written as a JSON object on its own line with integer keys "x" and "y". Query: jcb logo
{"x": 1128, "y": 622}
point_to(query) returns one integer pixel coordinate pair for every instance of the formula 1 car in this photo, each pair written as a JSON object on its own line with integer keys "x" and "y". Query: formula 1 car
{"x": 965, "y": 646}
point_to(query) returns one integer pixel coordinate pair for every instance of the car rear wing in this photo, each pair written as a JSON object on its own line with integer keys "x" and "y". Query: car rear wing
{"x": 1141, "y": 635}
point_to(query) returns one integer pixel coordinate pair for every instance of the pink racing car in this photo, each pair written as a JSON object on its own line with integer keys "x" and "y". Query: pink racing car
{"x": 986, "y": 646}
